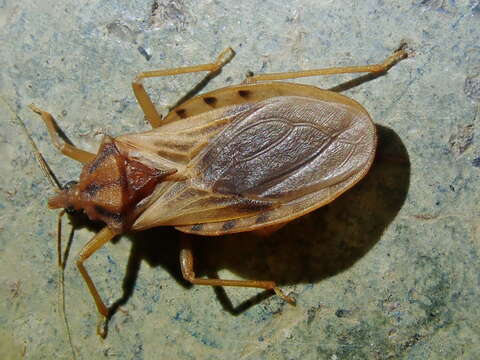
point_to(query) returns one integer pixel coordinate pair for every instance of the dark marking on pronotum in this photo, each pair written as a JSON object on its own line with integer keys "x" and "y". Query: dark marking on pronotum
{"x": 227, "y": 225}
{"x": 182, "y": 113}
{"x": 197, "y": 227}
{"x": 210, "y": 100}
{"x": 107, "y": 150}
{"x": 104, "y": 212}
{"x": 92, "y": 189}
{"x": 244, "y": 93}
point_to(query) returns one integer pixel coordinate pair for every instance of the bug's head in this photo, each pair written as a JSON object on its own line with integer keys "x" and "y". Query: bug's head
{"x": 67, "y": 191}
{"x": 109, "y": 188}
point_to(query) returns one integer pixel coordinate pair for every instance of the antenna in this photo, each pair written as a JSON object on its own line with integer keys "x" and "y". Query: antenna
{"x": 56, "y": 186}
{"x": 41, "y": 161}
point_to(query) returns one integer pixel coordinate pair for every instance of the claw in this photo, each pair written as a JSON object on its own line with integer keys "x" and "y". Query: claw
{"x": 102, "y": 327}
{"x": 280, "y": 293}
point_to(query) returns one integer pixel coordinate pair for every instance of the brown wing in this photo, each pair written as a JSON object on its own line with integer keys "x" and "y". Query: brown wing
{"x": 268, "y": 154}
{"x": 286, "y": 148}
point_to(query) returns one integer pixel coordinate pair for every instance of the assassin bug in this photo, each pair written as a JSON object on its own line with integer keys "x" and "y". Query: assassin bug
{"x": 248, "y": 157}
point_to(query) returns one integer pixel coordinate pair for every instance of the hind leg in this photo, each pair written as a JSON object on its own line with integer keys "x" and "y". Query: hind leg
{"x": 376, "y": 68}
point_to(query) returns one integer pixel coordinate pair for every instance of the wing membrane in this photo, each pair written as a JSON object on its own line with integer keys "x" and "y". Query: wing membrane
{"x": 286, "y": 147}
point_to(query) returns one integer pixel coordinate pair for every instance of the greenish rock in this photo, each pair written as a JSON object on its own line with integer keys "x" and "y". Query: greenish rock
{"x": 390, "y": 270}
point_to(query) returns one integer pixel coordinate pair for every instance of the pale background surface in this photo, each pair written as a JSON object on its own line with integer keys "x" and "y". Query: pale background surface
{"x": 390, "y": 270}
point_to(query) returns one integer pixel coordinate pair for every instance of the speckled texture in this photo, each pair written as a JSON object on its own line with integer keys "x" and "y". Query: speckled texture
{"x": 389, "y": 271}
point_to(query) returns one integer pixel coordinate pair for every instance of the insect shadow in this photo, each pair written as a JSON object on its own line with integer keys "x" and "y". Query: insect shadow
{"x": 314, "y": 247}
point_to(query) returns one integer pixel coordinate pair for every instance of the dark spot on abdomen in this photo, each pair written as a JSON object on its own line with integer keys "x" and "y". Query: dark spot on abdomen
{"x": 197, "y": 227}
{"x": 182, "y": 113}
{"x": 244, "y": 93}
{"x": 227, "y": 225}
{"x": 261, "y": 219}
{"x": 212, "y": 101}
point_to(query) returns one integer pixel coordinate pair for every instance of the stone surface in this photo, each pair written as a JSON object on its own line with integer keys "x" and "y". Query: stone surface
{"x": 389, "y": 270}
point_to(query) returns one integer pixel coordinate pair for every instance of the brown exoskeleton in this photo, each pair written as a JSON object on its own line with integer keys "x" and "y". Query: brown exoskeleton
{"x": 248, "y": 157}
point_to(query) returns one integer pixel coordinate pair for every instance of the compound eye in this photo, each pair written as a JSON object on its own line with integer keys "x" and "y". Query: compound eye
{"x": 71, "y": 211}
{"x": 70, "y": 184}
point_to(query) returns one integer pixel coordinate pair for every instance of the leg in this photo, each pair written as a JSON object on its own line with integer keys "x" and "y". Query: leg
{"x": 144, "y": 100}
{"x": 67, "y": 149}
{"x": 377, "y": 68}
{"x": 104, "y": 236}
{"x": 186, "y": 263}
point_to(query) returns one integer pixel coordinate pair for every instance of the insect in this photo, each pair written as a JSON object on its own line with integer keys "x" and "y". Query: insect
{"x": 248, "y": 157}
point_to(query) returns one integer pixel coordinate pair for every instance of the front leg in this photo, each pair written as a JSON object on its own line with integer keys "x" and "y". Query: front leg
{"x": 104, "y": 236}
{"x": 66, "y": 149}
